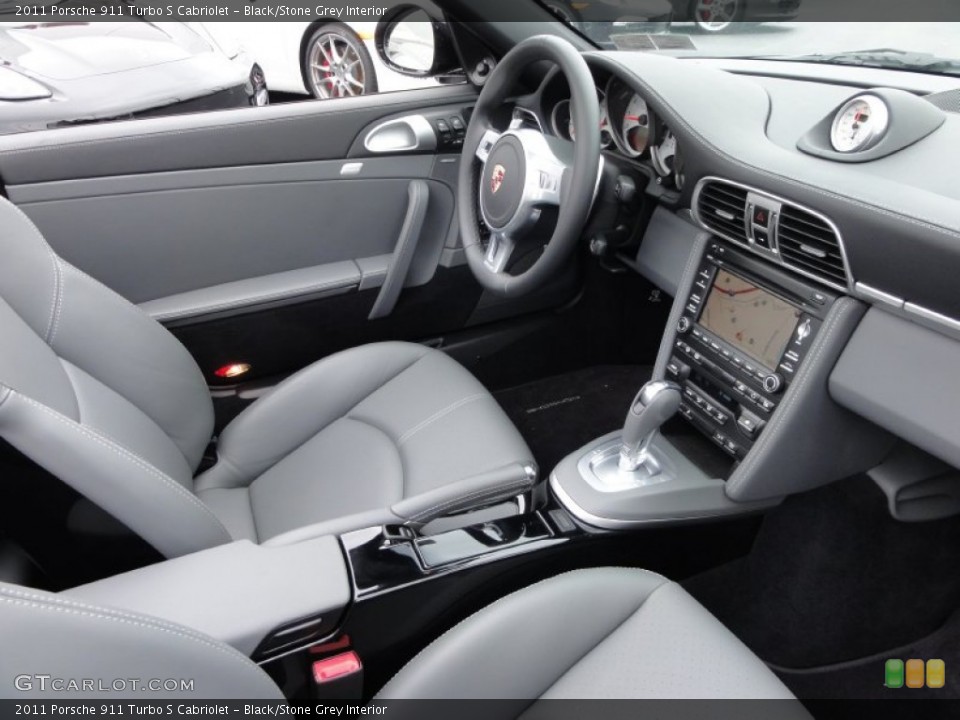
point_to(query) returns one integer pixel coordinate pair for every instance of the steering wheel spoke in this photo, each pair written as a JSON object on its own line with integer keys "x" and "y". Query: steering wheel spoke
{"x": 487, "y": 142}
{"x": 545, "y": 177}
{"x": 500, "y": 249}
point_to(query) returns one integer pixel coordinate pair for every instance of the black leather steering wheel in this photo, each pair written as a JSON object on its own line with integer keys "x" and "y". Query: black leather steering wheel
{"x": 524, "y": 170}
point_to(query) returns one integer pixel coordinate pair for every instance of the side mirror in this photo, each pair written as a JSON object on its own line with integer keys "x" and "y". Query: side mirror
{"x": 412, "y": 43}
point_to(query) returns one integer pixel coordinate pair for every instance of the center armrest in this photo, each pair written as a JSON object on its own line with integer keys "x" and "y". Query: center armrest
{"x": 240, "y": 593}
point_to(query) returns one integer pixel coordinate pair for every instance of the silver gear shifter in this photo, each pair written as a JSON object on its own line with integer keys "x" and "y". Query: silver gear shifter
{"x": 656, "y": 403}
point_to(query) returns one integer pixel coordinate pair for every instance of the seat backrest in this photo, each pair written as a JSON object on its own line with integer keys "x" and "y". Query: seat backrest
{"x": 55, "y": 647}
{"x": 101, "y": 395}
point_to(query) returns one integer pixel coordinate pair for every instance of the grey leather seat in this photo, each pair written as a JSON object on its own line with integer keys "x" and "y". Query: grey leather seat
{"x": 103, "y": 397}
{"x": 600, "y": 633}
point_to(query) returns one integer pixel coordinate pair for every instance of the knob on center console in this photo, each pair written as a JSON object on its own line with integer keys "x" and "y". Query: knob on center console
{"x": 773, "y": 383}
{"x": 683, "y": 325}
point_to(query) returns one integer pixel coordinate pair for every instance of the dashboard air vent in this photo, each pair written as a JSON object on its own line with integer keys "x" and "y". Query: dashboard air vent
{"x": 722, "y": 208}
{"x": 809, "y": 244}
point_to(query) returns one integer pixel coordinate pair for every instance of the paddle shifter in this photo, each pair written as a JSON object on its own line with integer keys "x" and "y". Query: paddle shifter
{"x": 656, "y": 403}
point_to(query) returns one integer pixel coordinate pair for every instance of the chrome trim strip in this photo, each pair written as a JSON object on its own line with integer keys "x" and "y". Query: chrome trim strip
{"x": 589, "y": 518}
{"x": 919, "y": 312}
{"x": 740, "y": 242}
{"x": 879, "y": 297}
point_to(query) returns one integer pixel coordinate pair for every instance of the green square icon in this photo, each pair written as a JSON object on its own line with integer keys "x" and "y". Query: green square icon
{"x": 893, "y": 674}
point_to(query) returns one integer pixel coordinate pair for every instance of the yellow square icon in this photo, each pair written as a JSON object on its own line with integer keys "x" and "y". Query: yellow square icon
{"x": 936, "y": 673}
{"x": 915, "y": 673}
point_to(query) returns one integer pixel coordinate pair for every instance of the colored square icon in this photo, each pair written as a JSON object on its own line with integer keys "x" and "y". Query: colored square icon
{"x": 893, "y": 674}
{"x": 936, "y": 673}
{"x": 915, "y": 671}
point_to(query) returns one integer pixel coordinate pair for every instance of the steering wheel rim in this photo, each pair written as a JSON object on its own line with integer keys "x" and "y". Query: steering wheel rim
{"x": 530, "y": 169}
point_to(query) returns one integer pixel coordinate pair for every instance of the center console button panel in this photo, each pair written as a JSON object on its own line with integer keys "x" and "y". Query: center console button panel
{"x": 728, "y": 393}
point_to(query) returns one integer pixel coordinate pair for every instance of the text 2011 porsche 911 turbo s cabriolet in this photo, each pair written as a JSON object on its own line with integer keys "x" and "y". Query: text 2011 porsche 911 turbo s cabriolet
{"x": 601, "y": 375}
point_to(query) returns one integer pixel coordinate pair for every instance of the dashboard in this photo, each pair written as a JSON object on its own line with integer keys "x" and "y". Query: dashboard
{"x": 825, "y": 195}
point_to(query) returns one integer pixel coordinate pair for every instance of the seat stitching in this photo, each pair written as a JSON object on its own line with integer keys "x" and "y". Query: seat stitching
{"x": 127, "y": 455}
{"x": 57, "y": 308}
{"x": 6, "y": 393}
{"x": 385, "y": 433}
{"x": 438, "y": 415}
{"x": 380, "y": 383}
{"x": 48, "y": 605}
{"x": 385, "y": 378}
{"x": 505, "y": 598}
{"x": 58, "y": 275}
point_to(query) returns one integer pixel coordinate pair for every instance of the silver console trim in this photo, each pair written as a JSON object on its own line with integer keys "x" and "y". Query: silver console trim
{"x": 878, "y": 297}
{"x": 920, "y": 312}
{"x": 589, "y": 518}
{"x": 938, "y": 322}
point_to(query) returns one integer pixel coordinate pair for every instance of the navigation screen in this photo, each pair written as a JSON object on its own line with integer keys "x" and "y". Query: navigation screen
{"x": 749, "y": 318}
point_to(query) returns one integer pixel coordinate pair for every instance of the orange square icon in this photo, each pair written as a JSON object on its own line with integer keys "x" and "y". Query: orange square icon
{"x": 936, "y": 673}
{"x": 915, "y": 673}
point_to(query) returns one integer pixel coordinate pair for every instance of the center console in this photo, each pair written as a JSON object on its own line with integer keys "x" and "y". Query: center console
{"x": 744, "y": 363}
{"x": 745, "y": 330}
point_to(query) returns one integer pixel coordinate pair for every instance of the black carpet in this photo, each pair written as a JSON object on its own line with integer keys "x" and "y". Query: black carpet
{"x": 832, "y": 578}
{"x": 863, "y": 679}
{"x": 560, "y": 414}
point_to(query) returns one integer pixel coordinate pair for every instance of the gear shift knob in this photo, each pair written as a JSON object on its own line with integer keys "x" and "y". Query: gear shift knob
{"x": 656, "y": 403}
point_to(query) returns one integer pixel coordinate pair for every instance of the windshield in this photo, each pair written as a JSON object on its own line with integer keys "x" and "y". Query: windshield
{"x": 740, "y": 29}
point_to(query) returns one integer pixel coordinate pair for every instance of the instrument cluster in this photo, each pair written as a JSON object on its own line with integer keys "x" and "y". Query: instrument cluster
{"x": 628, "y": 126}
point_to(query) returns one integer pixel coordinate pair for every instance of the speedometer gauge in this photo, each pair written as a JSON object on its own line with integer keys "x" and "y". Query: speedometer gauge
{"x": 562, "y": 120}
{"x": 636, "y": 127}
{"x": 860, "y": 124}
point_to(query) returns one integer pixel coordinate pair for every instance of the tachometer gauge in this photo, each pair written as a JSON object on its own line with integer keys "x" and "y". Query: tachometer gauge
{"x": 860, "y": 124}
{"x": 636, "y": 127}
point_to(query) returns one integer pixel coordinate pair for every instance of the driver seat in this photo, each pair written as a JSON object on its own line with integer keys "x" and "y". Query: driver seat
{"x": 104, "y": 398}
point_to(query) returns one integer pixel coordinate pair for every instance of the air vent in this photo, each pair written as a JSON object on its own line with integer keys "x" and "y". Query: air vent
{"x": 810, "y": 244}
{"x": 722, "y": 208}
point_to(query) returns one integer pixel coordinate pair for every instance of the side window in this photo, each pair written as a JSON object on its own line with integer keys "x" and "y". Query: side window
{"x": 128, "y": 70}
{"x": 327, "y": 59}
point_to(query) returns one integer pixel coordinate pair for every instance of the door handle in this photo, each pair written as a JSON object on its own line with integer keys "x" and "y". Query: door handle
{"x": 412, "y": 132}
{"x": 419, "y": 198}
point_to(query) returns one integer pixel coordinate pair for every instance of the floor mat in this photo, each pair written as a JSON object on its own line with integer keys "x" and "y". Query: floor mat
{"x": 864, "y": 679}
{"x": 831, "y": 579}
{"x": 560, "y": 414}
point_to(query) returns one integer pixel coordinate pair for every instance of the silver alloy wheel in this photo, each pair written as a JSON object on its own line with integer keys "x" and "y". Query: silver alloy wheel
{"x": 715, "y": 15}
{"x": 336, "y": 68}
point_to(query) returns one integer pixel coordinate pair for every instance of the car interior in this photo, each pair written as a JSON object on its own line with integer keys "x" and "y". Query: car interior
{"x": 603, "y": 374}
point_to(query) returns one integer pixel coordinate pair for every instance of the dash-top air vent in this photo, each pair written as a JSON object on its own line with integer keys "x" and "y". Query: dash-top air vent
{"x": 782, "y": 231}
{"x": 722, "y": 208}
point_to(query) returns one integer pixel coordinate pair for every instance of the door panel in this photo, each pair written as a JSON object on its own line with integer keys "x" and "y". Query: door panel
{"x": 266, "y": 236}
{"x": 149, "y": 244}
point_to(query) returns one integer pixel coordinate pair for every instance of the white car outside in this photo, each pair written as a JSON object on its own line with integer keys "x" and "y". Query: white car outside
{"x": 322, "y": 58}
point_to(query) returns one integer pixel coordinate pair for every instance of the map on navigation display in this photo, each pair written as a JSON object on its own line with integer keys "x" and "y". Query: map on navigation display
{"x": 749, "y": 318}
